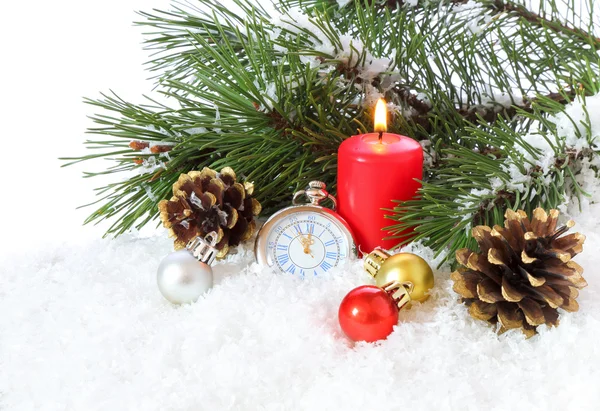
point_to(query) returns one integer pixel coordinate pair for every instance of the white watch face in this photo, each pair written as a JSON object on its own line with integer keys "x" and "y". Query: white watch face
{"x": 306, "y": 243}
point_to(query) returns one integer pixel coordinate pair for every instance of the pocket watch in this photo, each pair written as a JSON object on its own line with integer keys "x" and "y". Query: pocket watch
{"x": 305, "y": 239}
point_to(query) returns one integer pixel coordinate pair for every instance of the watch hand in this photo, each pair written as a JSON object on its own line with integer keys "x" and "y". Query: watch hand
{"x": 309, "y": 242}
{"x": 306, "y": 243}
{"x": 306, "y": 248}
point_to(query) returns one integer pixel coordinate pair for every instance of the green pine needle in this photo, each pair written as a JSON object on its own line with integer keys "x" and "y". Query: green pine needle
{"x": 274, "y": 101}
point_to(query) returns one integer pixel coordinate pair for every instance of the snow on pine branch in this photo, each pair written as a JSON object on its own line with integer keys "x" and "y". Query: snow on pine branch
{"x": 576, "y": 131}
{"x": 150, "y": 165}
{"x": 353, "y": 53}
{"x": 577, "y": 135}
{"x": 343, "y": 48}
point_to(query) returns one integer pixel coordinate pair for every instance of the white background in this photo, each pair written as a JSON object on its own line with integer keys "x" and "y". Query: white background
{"x": 52, "y": 55}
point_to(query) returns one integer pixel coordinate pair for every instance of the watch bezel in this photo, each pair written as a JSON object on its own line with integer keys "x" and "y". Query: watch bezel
{"x": 261, "y": 246}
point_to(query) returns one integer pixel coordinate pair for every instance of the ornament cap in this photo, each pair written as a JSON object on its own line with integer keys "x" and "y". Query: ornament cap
{"x": 400, "y": 292}
{"x": 203, "y": 249}
{"x": 386, "y": 267}
{"x": 373, "y": 262}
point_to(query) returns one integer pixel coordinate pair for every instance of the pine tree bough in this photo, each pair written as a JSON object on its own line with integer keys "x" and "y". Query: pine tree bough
{"x": 553, "y": 24}
{"x": 501, "y": 97}
{"x": 476, "y": 113}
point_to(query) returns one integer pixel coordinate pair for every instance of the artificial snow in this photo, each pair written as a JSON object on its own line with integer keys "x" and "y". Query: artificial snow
{"x": 578, "y": 118}
{"x": 342, "y": 3}
{"x": 149, "y": 165}
{"x": 163, "y": 131}
{"x": 196, "y": 201}
{"x": 149, "y": 192}
{"x": 217, "y": 119}
{"x": 84, "y": 327}
{"x": 578, "y": 126}
{"x": 196, "y": 130}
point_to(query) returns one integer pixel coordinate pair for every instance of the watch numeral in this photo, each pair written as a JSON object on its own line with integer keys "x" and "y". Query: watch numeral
{"x": 330, "y": 242}
{"x": 283, "y": 259}
{"x": 310, "y": 228}
{"x": 331, "y": 254}
{"x": 282, "y": 247}
{"x": 291, "y": 268}
{"x": 325, "y": 266}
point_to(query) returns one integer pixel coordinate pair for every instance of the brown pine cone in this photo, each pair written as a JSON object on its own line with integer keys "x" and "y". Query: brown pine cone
{"x": 523, "y": 273}
{"x": 205, "y": 201}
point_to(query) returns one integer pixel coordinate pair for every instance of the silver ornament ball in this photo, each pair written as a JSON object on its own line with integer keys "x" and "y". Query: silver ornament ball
{"x": 183, "y": 276}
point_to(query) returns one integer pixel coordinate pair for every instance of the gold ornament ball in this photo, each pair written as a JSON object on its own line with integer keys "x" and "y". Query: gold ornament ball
{"x": 401, "y": 267}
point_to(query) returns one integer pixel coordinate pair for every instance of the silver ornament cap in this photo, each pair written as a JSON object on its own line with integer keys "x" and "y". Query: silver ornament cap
{"x": 184, "y": 275}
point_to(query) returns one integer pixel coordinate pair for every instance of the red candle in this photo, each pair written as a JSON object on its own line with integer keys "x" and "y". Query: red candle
{"x": 373, "y": 170}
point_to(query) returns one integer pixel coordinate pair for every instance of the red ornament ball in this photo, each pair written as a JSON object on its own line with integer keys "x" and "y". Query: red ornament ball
{"x": 368, "y": 313}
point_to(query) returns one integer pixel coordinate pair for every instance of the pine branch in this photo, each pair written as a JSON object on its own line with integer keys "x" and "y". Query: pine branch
{"x": 273, "y": 96}
{"x": 520, "y": 11}
{"x": 475, "y": 187}
{"x": 514, "y": 9}
{"x": 472, "y": 114}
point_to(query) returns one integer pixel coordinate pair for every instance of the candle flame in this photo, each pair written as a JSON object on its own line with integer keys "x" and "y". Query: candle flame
{"x": 380, "y": 116}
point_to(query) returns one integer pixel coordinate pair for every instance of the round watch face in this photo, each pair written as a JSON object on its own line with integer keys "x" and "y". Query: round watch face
{"x": 304, "y": 240}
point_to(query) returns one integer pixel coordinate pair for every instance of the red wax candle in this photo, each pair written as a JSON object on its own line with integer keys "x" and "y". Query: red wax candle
{"x": 373, "y": 170}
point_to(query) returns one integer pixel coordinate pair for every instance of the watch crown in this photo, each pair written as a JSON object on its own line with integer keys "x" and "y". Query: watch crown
{"x": 316, "y": 192}
{"x": 317, "y": 184}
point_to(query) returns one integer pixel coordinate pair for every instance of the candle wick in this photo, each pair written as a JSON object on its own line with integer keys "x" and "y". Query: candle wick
{"x": 380, "y": 136}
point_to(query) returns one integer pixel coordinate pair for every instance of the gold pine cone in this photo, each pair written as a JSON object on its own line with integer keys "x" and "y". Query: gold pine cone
{"x": 205, "y": 201}
{"x": 523, "y": 273}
